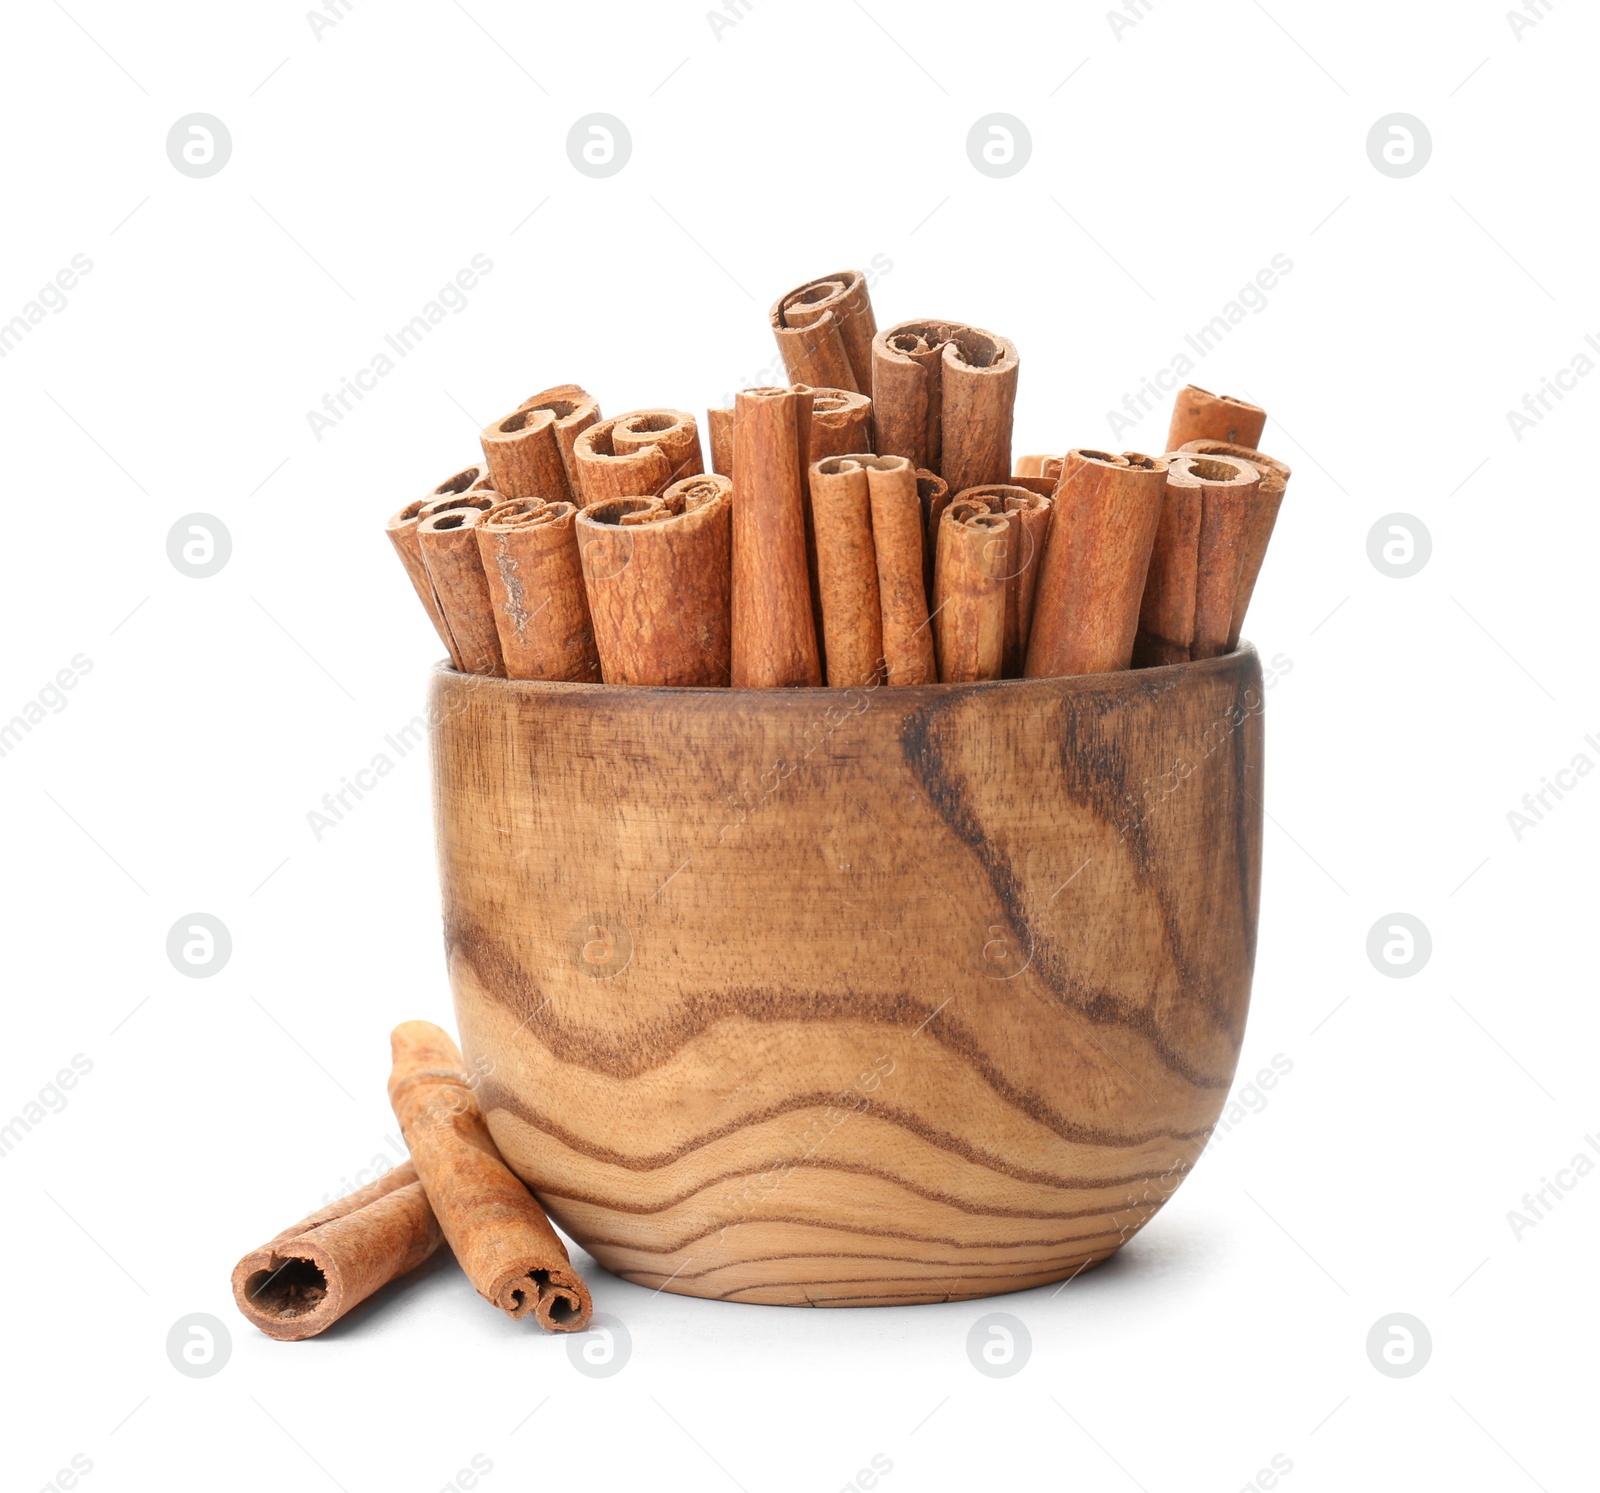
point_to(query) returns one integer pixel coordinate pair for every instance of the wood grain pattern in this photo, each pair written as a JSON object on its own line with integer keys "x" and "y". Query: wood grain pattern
{"x": 852, "y": 996}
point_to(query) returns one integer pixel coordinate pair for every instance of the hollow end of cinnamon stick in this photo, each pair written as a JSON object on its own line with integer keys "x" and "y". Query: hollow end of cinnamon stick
{"x": 824, "y": 330}
{"x": 1198, "y": 414}
{"x": 447, "y": 536}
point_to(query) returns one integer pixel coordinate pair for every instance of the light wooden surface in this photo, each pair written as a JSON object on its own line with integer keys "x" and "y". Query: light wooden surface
{"x": 846, "y": 998}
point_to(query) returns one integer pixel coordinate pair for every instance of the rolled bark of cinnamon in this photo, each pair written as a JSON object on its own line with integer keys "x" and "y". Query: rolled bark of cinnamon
{"x": 449, "y": 544}
{"x": 1107, "y": 510}
{"x": 402, "y": 532}
{"x": 1199, "y": 414}
{"x": 637, "y": 455}
{"x": 943, "y": 395}
{"x": 1027, "y": 516}
{"x": 658, "y": 574}
{"x": 969, "y": 617}
{"x": 1044, "y": 487}
{"x": 529, "y": 552}
{"x": 1263, "y": 519}
{"x": 898, "y": 539}
{"x": 529, "y": 452}
{"x": 498, "y": 1231}
{"x": 719, "y": 435}
{"x": 1189, "y": 595}
{"x": 1030, "y": 466}
{"x": 933, "y": 493}
{"x": 301, "y": 1281}
{"x": 824, "y": 330}
{"x": 775, "y": 641}
{"x": 847, "y": 570}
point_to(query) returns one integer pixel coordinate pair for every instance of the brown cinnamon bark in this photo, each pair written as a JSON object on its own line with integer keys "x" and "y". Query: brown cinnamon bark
{"x": 1263, "y": 519}
{"x": 1030, "y": 466}
{"x": 449, "y": 546}
{"x": 943, "y": 395}
{"x": 402, "y": 531}
{"x": 1027, "y": 516}
{"x": 658, "y": 574}
{"x": 498, "y": 1231}
{"x": 825, "y": 330}
{"x": 933, "y": 493}
{"x": 1045, "y": 487}
{"x": 775, "y": 641}
{"x": 575, "y": 410}
{"x": 301, "y": 1281}
{"x": 529, "y": 552}
{"x": 719, "y": 435}
{"x": 969, "y": 618}
{"x": 1188, "y": 605}
{"x": 841, "y": 422}
{"x": 1199, "y": 414}
{"x": 898, "y": 539}
{"x": 847, "y": 570}
{"x": 524, "y": 452}
{"x": 1097, "y": 551}
{"x": 638, "y": 455}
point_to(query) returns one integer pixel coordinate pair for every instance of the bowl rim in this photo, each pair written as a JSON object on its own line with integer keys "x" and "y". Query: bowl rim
{"x": 1161, "y": 676}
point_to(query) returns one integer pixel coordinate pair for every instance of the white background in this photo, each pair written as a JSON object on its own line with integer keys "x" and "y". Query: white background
{"x": 368, "y": 166}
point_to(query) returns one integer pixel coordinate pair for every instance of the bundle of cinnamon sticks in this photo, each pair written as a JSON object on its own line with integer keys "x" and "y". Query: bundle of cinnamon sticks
{"x": 865, "y": 524}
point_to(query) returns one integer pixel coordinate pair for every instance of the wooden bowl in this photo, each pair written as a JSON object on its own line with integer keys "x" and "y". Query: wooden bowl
{"x": 841, "y": 997}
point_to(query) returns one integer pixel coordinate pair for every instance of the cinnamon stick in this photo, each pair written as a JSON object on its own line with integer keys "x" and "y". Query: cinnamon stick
{"x": 529, "y": 452}
{"x": 841, "y": 422}
{"x": 943, "y": 395}
{"x": 824, "y": 330}
{"x": 638, "y": 455}
{"x": 1263, "y": 519}
{"x": 847, "y": 570}
{"x": 529, "y": 552}
{"x": 1199, "y": 414}
{"x": 1027, "y": 516}
{"x": 498, "y": 1231}
{"x": 774, "y": 629}
{"x": 1188, "y": 605}
{"x": 898, "y": 531}
{"x": 450, "y": 552}
{"x": 1030, "y": 466}
{"x": 657, "y": 572}
{"x": 1096, "y": 555}
{"x": 402, "y": 531}
{"x": 302, "y": 1280}
{"x": 969, "y": 619}
{"x": 719, "y": 436}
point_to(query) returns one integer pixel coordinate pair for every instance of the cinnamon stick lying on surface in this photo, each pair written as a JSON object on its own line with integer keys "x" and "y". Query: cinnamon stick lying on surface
{"x": 657, "y": 572}
{"x": 1187, "y": 611}
{"x": 1199, "y": 414}
{"x": 943, "y": 395}
{"x": 825, "y": 330}
{"x": 774, "y": 630}
{"x": 529, "y": 552}
{"x": 1097, "y": 551}
{"x": 301, "y": 1281}
{"x": 402, "y": 532}
{"x": 1263, "y": 519}
{"x": 498, "y": 1231}
{"x": 450, "y": 552}
{"x": 529, "y": 452}
{"x": 1027, "y": 516}
{"x": 847, "y": 570}
{"x": 969, "y": 586}
{"x": 638, "y": 455}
